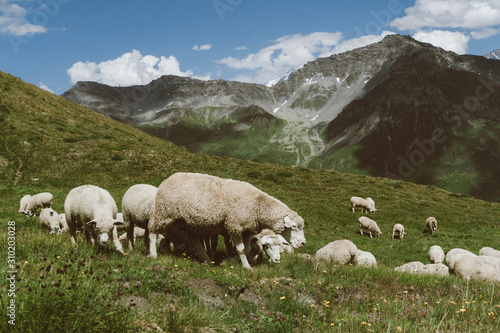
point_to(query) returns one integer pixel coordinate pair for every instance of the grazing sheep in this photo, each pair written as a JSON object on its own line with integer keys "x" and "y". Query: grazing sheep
{"x": 489, "y": 251}
{"x": 432, "y": 224}
{"x": 451, "y": 256}
{"x": 63, "y": 225}
{"x": 484, "y": 268}
{"x": 40, "y": 200}
{"x": 370, "y": 225}
{"x": 266, "y": 241}
{"x": 399, "y": 229}
{"x": 23, "y": 204}
{"x": 94, "y": 209}
{"x": 342, "y": 251}
{"x": 137, "y": 209}
{"x": 50, "y": 219}
{"x": 436, "y": 254}
{"x": 205, "y": 205}
{"x": 367, "y": 205}
{"x": 364, "y": 258}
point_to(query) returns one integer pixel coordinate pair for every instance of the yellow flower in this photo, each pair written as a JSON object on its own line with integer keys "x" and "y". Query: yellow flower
{"x": 58, "y": 257}
{"x": 399, "y": 329}
{"x": 332, "y": 324}
{"x": 176, "y": 266}
{"x": 324, "y": 271}
{"x": 312, "y": 305}
{"x": 282, "y": 297}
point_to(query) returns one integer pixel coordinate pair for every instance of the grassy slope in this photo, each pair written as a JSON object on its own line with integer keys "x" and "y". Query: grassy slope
{"x": 50, "y": 144}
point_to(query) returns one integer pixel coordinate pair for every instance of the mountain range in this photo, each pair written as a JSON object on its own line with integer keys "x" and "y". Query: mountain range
{"x": 398, "y": 108}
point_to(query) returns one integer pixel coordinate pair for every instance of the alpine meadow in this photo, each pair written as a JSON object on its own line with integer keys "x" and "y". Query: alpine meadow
{"x": 49, "y": 144}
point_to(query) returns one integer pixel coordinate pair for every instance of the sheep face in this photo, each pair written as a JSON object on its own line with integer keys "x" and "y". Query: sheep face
{"x": 272, "y": 246}
{"x": 103, "y": 230}
{"x": 294, "y": 232}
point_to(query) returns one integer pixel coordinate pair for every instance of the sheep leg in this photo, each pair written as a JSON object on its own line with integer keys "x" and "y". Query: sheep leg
{"x": 152, "y": 245}
{"x": 371, "y": 234}
{"x": 200, "y": 251}
{"x": 72, "y": 232}
{"x": 361, "y": 231}
{"x": 146, "y": 237}
{"x": 240, "y": 248}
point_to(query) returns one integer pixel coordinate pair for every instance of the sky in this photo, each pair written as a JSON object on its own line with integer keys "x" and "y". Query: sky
{"x": 55, "y": 43}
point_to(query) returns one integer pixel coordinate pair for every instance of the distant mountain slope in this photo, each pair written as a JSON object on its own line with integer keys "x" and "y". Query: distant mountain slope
{"x": 371, "y": 110}
{"x": 495, "y": 54}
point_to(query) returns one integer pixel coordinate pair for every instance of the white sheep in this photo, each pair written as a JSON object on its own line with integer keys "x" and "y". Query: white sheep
{"x": 23, "y": 204}
{"x": 364, "y": 258}
{"x": 342, "y": 251}
{"x": 137, "y": 209}
{"x": 266, "y": 241}
{"x": 489, "y": 251}
{"x": 411, "y": 267}
{"x": 431, "y": 224}
{"x": 484, "y": 268}
{"x": 63, "y": 225}
{"x": 205, "y": 205}
{"x": 398, "y": 229}
{"x": 94, "y": 209}
{"x": 370, "y": 225}
{"x": 40, "y": 200}
{"x": 451, "y": 256}
{"x": 436, "y": 254}
{"x": 416, "y": 267}
{"x": 138, "y": 232}
{"x": 50, "y": 219}
{"x": 367, "y": 205}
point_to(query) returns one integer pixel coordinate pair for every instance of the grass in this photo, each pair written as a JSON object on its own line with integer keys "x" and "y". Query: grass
{"x": 60, "y": 287}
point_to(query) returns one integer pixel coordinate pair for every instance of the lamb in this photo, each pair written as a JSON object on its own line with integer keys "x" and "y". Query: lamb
{"x": 50, "y": 219}
{"x": 367, "y": 205}
{"x": 484, "y": 268}
{"x": 489, "y": 251}
{"x": 63, "y": 225}
{"x": 94, "y": 209}
{"x": 40, "y": 200}
{"x": 452, "y": 255}
{"x": 205, "y": 205}
{"x": 138, "y": 232}
{"x": 342, "y": 251}
{"x": 266, "y": 241}
{"x": 23, "y": 204}
{"x": 436, "y": 254}
{"x": 370, "y": 225}
{"x": 364, "y": 258}
{"x": 399, "y": 229}
{"x": 137, "y": 209}
{"x": 432, "y": 224}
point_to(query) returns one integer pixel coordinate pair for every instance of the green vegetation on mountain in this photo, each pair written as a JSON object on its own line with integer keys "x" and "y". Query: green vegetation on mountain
{"x": 50, "y": 144}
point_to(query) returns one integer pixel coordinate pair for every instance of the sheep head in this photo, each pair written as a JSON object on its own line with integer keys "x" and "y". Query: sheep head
{"x": 103, "y": 229}
{"x": 294, "y": 231}
{"x": 272, "y": 246}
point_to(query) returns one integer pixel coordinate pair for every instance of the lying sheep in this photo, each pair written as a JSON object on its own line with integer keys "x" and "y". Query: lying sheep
{"x": 452, "y": 255}
{"x": 370, "y": 225}
{"x": 436, "y": 254}
{"x": 205, "y": 205}
{"x": 431, "y": 224}
{"x": 94, "y": 209}
{"x": 50, "y": 219}
{"x": 40, "y": 200}
{"x": 484, "y": 268}
{"x": 411, "y": 267}
{"x": 398, "y": 229}
{"x": 364, "y": 258}
{"x": 367, "y": 205}
{"x": 342, "y": 251}
{"x": 489, "y": 251}
{"x": 23, "y": 204}
{"x": 137, "y": 209}
{"x": 138, "y": 232}
{"x": 416, "y": 267}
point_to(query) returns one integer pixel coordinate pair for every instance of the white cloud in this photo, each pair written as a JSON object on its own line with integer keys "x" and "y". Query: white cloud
{"x": 284, "y": 54}
{"x": 205, "y": 47}
{"x": 241, "y": 48}
{"x": 129, "y": 69}
{"x": 448, "y": 40}
{"x": 45, "y": 87}
{"x": 13, "y": 21}
{"x": 484, "y": 33}
{"x": 466, "y": 14}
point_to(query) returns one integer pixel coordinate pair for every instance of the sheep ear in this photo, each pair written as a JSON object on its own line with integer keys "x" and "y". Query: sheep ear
{"x": 116, "y": 222}
{"x": 265, "y": 240}
{"x": 290, "y": 224}
{"x": 92, "y": 223}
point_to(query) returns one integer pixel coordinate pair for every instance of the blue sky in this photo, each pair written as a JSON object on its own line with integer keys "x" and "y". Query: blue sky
{"x": 55, "y": 43}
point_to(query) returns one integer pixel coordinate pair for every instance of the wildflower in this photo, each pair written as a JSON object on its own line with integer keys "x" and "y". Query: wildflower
{"x": 364, "y": 323}
{"x": 461, "y": 310}
{"x": 282, "y": 297}
{"x": 58, "y": 257}
{"x": 425, "y": 303}
{"x": 312, "y": 305}
{"x": 232, "y": 267}
{"x": 405, "y": 291}
{"x": 176, "y": 266}
{"x": 332, "y": 324}
{"x": 324, "y": 271}
{"x": 453, "y": 303}
{"x": 399, "y": 329}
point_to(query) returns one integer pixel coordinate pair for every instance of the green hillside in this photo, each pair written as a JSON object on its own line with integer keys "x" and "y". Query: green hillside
{"x": 50, "y": 144}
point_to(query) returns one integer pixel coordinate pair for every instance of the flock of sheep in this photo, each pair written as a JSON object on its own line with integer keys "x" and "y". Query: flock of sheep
{"x": 194, "y": 209}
